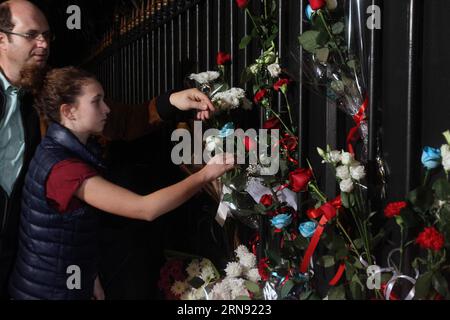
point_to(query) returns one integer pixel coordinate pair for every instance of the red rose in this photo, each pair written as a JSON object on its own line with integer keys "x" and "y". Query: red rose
{"x": 430, "y": 238}
{"x": 277, "y": 86}
{"x": 317, "y": 4}
{"x": 249, "y": 143}
{"x": 272, "y": 123}
{"x": 299, "y": 179}
{"x": 393, "y": 209}
{"x": 223, "y": 58}
{"x": 259, "y": 95}
{"x": 266, "y": 200}
{"x": 242, "y": 3}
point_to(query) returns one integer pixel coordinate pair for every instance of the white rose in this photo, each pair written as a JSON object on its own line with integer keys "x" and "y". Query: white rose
{"x": 445, "y": 150}
{"x": 346, "y": 185}
{"x": 347, "y": 158}
{"x": 274, "y": 70}
{"x": 212, "y": 142}
{"x": 335, "y": 156}
{"x": 342, "y": 172}
{"x": 357, "y": 172}
{"x": 204, "y": 77}
{"x": 446, "y": 162}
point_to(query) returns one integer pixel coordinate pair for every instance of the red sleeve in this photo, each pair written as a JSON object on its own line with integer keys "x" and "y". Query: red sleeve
{"x": 64, "y": 180}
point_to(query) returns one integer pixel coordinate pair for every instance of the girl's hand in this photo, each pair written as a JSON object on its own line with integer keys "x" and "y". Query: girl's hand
{"x": 217, "y": 166}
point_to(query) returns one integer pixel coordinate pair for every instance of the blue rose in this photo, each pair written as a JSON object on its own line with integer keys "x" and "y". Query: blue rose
{"x": 307, "y": 229}
{"x": 227, "y": 130}
{"x": 309, "y": 11}
{"x": 431, "y": 157}
{"x": 282, "y": 220}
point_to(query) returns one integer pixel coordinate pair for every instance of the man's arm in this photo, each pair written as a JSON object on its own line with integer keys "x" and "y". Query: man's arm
{"x": 129, "y": 122}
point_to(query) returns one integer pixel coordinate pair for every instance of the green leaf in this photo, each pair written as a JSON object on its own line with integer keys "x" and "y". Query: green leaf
{"x": 351, "y": 64}
{"x": 423, "y": 285}
{"x": 252, "y": 287}
{"x": 442, "y": 189}
{"x": 337, "y": 86}
{"x": 421, "y": 198}
{"x": 309, "y": 40}
{"x": 243, "y": 298}
{"x": 286, "y": 288}
{"x": 327, "y": 261}
{"x": 345, "y": 198}
{"x": 440, "y": 284}
{"x": 356, "y": 288}
{"x": 245, "y": 41}
{"x": 336, "y": 293}
{"x": 322, "y": 54}
{"x": 337, "y": 28}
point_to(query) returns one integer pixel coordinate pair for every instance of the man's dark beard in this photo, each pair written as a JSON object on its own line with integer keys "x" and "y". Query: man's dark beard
{"x": 32, "y": 77}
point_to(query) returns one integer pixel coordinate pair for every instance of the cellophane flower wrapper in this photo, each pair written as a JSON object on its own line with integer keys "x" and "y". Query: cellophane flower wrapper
{"x": 334, "y": 58}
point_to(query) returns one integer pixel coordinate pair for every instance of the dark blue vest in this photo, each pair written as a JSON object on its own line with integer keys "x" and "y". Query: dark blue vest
{"x": 53, "y": 244}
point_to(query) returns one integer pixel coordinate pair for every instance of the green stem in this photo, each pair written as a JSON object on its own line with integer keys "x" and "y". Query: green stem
{"x": 348, "y": 238}
{"x": 260, "y": 34}
{"x": 401, "y": 248}
{"x": 319, "y": 12}
{"x": 289, "y": 110}
{"x": 427, "y": 175}
{"x": 282, "y": 122}
{"x": 318, "y": 192}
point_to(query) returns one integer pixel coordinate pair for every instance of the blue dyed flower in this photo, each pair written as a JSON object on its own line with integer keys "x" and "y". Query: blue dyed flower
{"x": 282, "y": 220}
{"x": 227, "y": 130}
{"x": 431, "y": 157}
{"x": 307, "y": 229}
{"x": 309, "y": 11}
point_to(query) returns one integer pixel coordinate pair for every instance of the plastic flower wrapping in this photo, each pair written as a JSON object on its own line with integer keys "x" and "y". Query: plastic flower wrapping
{"x": 334, "y": 59}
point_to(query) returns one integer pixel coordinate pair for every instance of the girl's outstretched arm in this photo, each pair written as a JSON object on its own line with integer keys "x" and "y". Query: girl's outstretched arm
{"x": 114, "y": 199}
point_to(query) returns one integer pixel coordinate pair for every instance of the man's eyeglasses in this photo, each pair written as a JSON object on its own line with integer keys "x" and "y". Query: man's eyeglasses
{"x": 33, "y": 35}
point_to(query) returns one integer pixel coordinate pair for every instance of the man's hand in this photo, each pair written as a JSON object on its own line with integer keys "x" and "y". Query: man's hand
{"x": 193, "y": 99}
{"x": 98, "y": 293}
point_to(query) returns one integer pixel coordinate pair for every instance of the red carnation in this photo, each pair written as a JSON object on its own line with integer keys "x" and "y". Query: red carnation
{"x": 299, "y": 179}
{"x": 263, "y": 267}
{"x": 272, "y": 123}
{"x": 393, "y": 209}
{"x": 242, "y": 3}
{"x": 317, "y": 4}
{"x": 266, "y": 200}
{"x": 249, "y": 143}
{"x": 280, "y": 83}
{"x": 431, "y": 239}
{"x": 223, "y": 58}
{"x": 260, "y": 95}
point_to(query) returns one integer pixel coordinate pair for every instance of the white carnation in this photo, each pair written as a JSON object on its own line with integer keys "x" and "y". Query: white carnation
{"x": 253, "y": 275}
{"x": 342, "y": 172}
{"x": 204, "y": 77}
{"x": 207, "y": 273}
{"x": 347, "y": 158}
{"x": 346, "y": 185}
{"x": 233, "y": 269}
{"x": 274, "y": 70}
{"x": 357, "y": 172}
{"x": 241, "y": 250}
{"x": 229, "y": 99}
{"x": 248, "y": 260}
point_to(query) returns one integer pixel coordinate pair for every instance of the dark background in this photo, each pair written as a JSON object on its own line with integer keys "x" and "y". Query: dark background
{"x": 412, "y": 82}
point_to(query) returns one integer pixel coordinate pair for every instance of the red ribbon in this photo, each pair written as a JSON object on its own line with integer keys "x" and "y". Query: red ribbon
{"x": 359, "y": 117}
{"x": 338, "y": 275}
{"x": 328, "y": 211}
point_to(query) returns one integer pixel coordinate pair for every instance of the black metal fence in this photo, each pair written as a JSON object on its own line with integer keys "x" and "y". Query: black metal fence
{"x": 153, "y": 48}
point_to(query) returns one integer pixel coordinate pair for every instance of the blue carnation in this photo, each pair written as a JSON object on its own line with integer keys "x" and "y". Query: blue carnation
{"x": 431, "y": 157}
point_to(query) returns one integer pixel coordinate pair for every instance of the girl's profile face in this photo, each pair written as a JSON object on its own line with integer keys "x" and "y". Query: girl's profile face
{"x": 92, "y": 111}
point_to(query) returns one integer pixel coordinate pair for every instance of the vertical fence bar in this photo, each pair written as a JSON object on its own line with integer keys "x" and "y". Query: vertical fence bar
{"x": 415, "y": 12}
